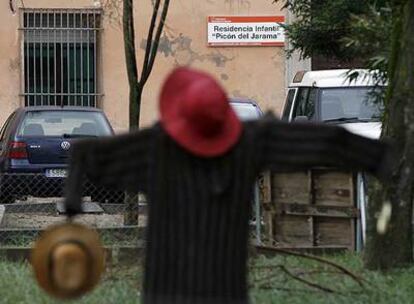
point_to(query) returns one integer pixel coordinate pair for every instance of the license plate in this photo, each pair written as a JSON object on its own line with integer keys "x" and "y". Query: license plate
{"x": 56, "y": 173}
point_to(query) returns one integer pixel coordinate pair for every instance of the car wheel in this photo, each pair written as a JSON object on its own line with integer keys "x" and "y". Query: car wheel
{"x": 105, "y": 196}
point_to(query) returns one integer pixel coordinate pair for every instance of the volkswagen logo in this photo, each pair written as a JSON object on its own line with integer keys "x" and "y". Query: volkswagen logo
{"x": 65, "y": 145}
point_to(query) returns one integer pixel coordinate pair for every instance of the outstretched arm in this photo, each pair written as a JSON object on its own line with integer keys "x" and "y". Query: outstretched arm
{"x": 296, "y": 146}
{"x": 118, "y": 162}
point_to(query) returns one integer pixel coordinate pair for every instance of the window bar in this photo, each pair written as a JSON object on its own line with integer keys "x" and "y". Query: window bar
{"x": 55, "y": 60}
{"x": 41, "y": 57}
{"x": 81, "y": 57}
{"x": 27, "y": 56}
{"x": 88, "y": 63}
{"x": 61, "y": 58}
{"x": 34, "y": 60}
{"x": 68, "y": 58}
{"x": 75, "y": 52}
{"x": 95, "y": 58}
{"x": 48, "y": 59}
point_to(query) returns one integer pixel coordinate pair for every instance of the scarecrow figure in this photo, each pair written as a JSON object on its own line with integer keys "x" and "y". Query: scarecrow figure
{"x": 197, "y": 167}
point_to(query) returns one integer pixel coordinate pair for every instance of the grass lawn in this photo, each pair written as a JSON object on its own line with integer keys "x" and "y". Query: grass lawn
{"x": 274, "y": 280}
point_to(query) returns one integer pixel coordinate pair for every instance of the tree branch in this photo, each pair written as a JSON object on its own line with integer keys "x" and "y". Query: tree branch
{"x": 129, "y": 42}
{"x": 155, "y": 43}
{"x": 306, "y": 282}
{"x": 315, "y": 258}
{"x": 150, "y": 38}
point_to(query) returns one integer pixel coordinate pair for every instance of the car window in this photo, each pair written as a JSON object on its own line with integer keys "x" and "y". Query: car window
{"x": 288, "y": 104}
{"x": 350, "y": 102}
{"x": 62, "y": 123}
{"x": 310, "y": 104}
{"x": 305, "y": 105}
{"x": 6, "y": 126}
{"x": 245, "y": 111}
{"x": 299, "y": 109}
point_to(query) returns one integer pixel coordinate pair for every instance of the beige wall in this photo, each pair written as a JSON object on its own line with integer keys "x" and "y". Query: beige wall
{"x": 254, "y": 72}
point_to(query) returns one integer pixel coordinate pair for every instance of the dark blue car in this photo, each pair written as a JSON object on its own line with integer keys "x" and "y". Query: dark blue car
{"x": 34, "y": 147}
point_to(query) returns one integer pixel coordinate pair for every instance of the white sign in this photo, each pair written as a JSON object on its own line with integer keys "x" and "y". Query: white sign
{"x": 246, "y": 31}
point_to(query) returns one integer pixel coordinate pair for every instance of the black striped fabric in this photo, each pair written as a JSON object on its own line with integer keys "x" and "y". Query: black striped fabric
{"x": 199, "y": 208}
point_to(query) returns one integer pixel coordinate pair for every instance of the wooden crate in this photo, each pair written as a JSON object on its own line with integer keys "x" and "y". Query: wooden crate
{"x": 316, "y": 208}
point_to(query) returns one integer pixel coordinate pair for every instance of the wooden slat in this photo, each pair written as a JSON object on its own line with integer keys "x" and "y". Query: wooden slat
{"x": 268, "y": 218}
{"x": 265, "y": 188}
{"x": 333, "y": 188}
{"x": 270, "y": 251}
{"x": 334, "y": 232}
{"x": 317, "y": 211}
{"x": 292, "y": 187}
{"x": 313, "y": 209}
{"x": 292, "y": 231}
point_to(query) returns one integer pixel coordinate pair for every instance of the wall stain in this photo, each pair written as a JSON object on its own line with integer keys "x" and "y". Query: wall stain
{"x": 14, "y": 64}
{"x": 224, "y": 77}
{"x": 278, "y": 57}
{"x": 180, "y": 48}
{"x": 240, "y": 4}
{"x": 112, "y": 12}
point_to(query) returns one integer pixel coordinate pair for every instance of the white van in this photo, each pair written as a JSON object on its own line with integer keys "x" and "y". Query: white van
{"x": 329, "y": 97}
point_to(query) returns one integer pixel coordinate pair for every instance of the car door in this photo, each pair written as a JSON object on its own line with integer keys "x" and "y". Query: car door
{"x": 305, "y": 104}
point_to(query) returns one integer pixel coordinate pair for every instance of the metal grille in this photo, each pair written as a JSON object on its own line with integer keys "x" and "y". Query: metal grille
{"x": 60, "y": 50}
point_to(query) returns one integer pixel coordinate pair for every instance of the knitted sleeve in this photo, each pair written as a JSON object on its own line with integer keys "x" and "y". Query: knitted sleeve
{"x": 296, "y": 146}
{"x": 118, "y": 162}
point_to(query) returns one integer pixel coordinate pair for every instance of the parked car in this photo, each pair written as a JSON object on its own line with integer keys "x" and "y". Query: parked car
{"x": 246, "y": 109}
{"x": 329, "y": 97}
{"x": 34, "y": 148}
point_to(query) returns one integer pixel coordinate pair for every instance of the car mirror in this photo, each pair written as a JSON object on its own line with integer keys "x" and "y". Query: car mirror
{"x": 301, "y": 119}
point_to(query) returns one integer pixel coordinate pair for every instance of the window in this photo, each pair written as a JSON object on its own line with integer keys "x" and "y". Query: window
{"x": 342, "y": 103}
{"x": 60, "y": 50}
{"x": 245, "y": 111}
{"x": 310, "y": 104}
{"x": 288, "y": 105}
{"x": 64, "y": 123}
{"x": 305, "y": 104}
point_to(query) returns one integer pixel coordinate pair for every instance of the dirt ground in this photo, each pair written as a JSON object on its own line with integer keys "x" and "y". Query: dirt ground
{"x": 42, "y": 220}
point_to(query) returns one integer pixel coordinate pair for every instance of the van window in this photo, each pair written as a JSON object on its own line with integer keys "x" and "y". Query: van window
{"x": 305, "y": 105}
{"x": 288, "y": 104}
{"x": 346, "y": 103}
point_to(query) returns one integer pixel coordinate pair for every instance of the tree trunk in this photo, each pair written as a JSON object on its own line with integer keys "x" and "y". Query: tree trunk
{"x": 135, "y": 91}
{"x": 135, "y": 95}
{"x": 131, "y": 62}
{"x": 131, "y": 214}
{"x": 136, "y": 85}
{"x": 394, "y": 247}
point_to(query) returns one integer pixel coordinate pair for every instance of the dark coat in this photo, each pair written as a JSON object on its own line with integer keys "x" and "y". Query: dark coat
{"x": 199, "y": 208}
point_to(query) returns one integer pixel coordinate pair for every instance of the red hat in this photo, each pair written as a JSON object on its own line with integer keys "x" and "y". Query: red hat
{"x": 196, "y": 113}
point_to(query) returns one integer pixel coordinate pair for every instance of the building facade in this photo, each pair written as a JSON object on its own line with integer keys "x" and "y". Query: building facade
{"x": 71, "y": 52}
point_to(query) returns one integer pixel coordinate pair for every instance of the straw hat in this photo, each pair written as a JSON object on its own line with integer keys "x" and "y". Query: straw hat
{"x": 68, "y": 260}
